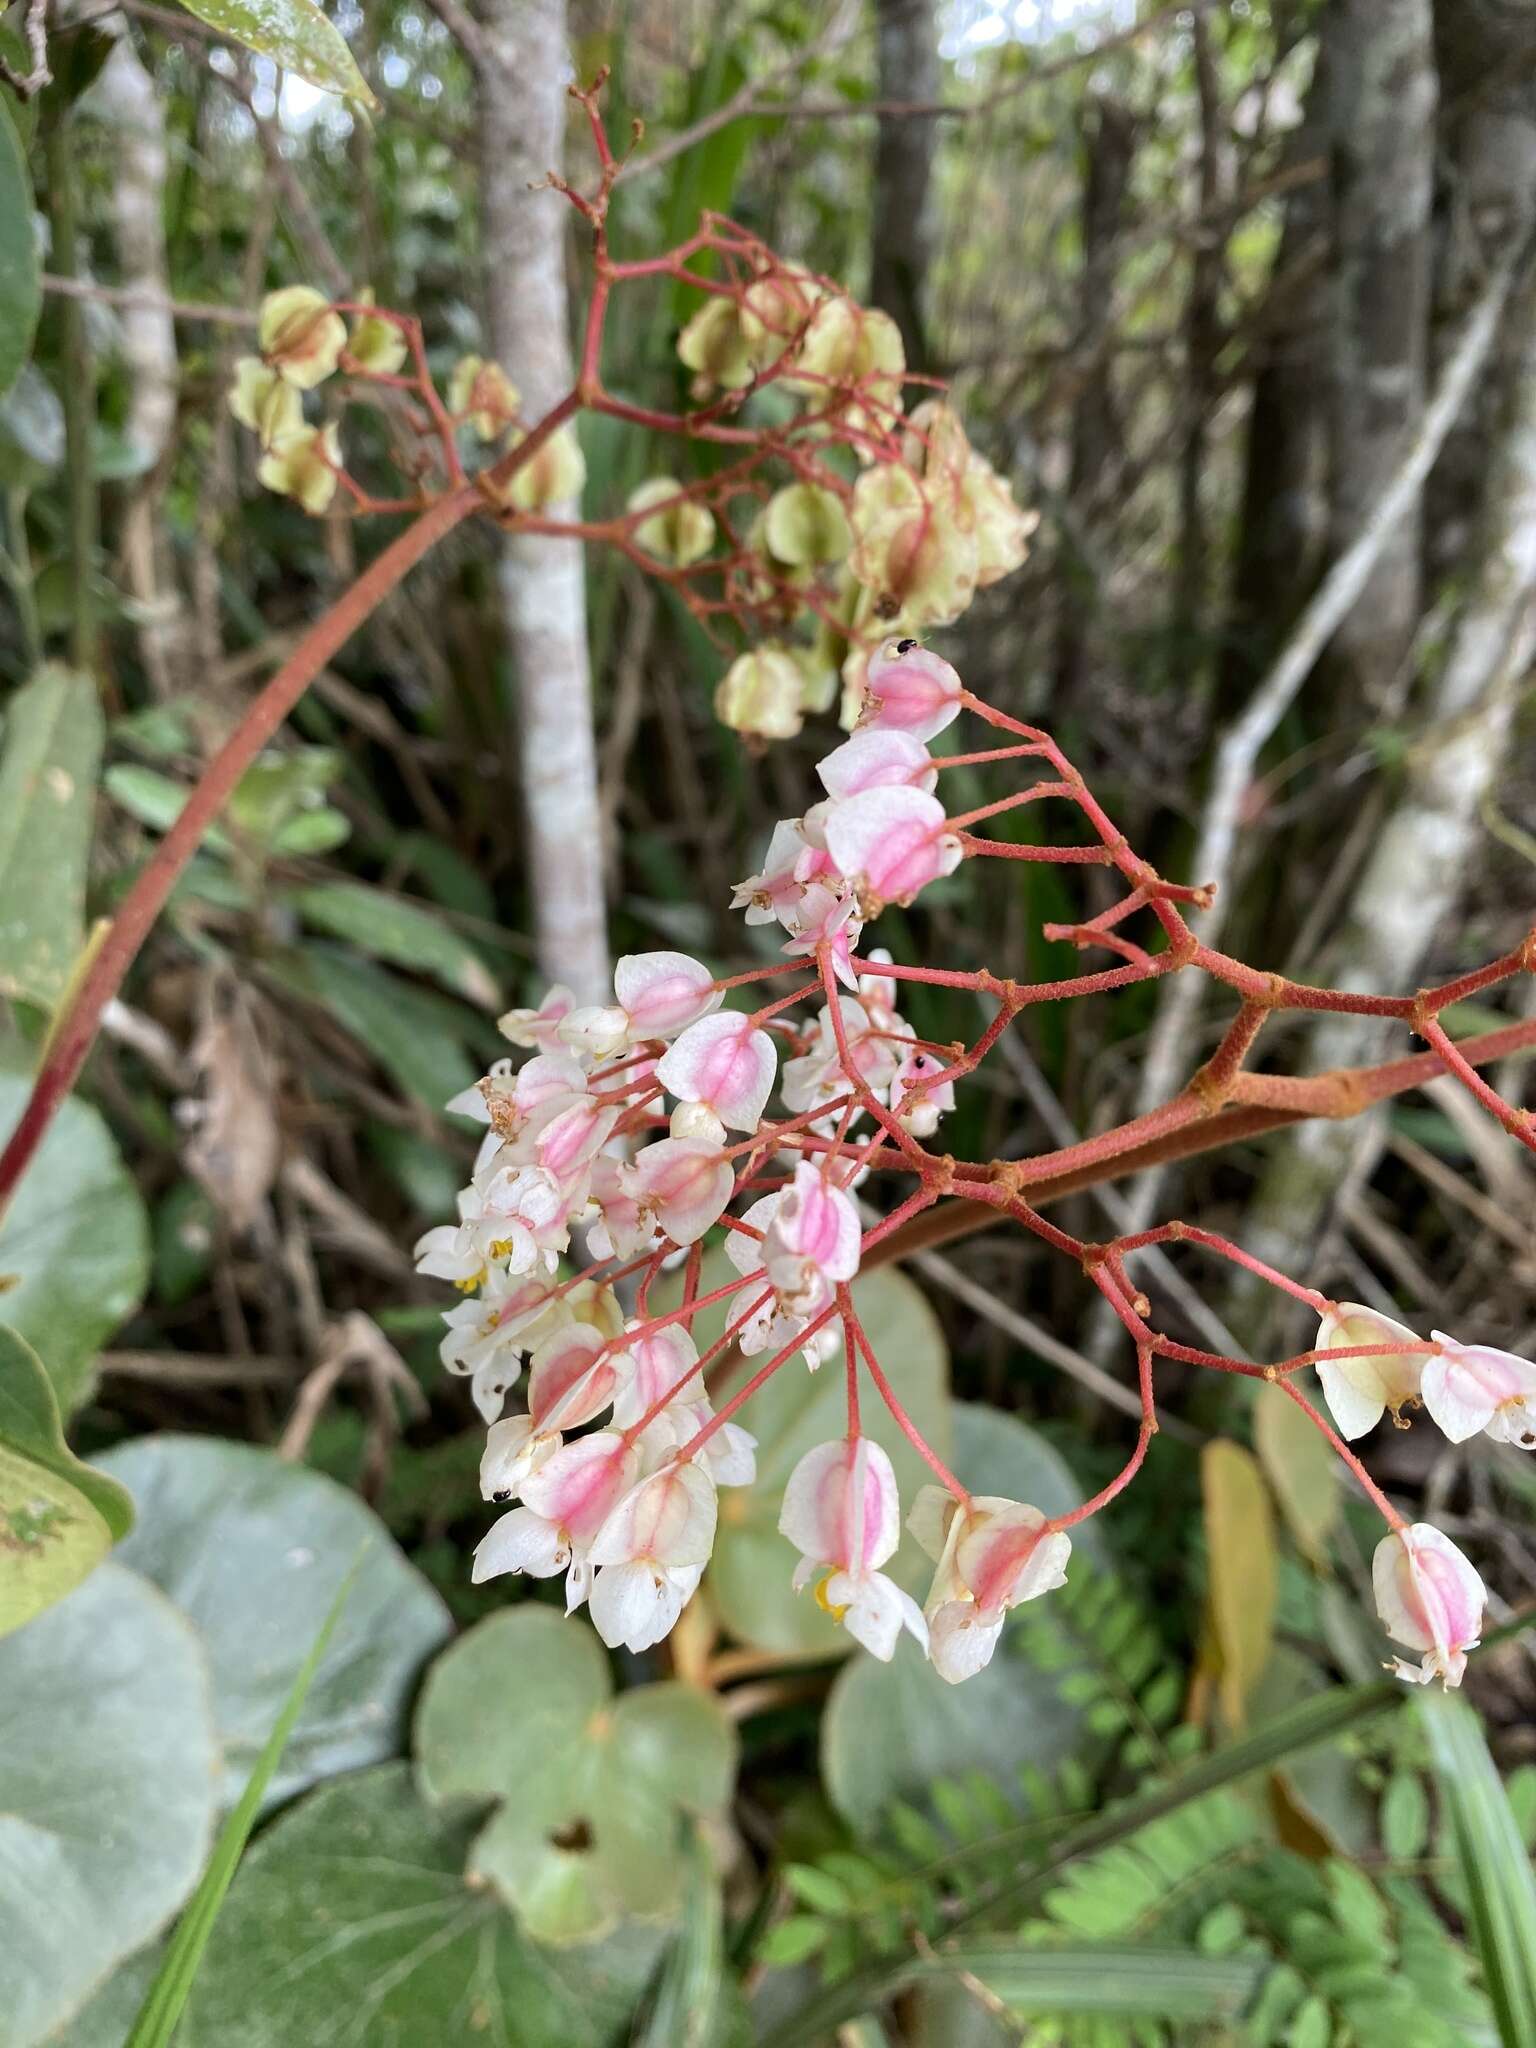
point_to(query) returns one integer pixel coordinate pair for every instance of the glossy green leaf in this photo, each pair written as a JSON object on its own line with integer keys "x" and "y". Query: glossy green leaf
{"x": 350, "y": 1919}
{"x": 252, "y": 1550}
{"x": 749, "y": 1577}
{"x": 889, "y": 1730}
{"x": 20, "y": 286}
{"x": 402, "y": 933}
{"x": 106, "y": 1792}
{"x": 74, "y": 1244}
{"x": 1495, "y": 1864}
{"x": 58, "y": 1517}
{"x": 31, "y": 430}
{"x": 294, "y": 34}
{"x": 166, "y": 1997}
{"x": 53, "y": 735}
{"x": 596, "y": 1835}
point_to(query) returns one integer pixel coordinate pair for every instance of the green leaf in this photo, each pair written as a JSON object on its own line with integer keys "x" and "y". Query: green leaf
{"x": 689, "y": 2004}
{"x": 1149, "y": 1983}
{"x": 1495, "y": 1867}
{"x": 595, "y": 1835}
{"x": 1318, "y": 1720}
{"x": 74, "y": 1244}
{"x": 21, "y": 292}
{"x": 749, "y": 1577}
{"x": 350, "y": 1918}
{"x": 394, "y": 930}
{"x": 31, "y": 430}
{"x": 106, "y": 1792}
{"x": 53, "y": 738}
{"x": 252, "y": 1550}
{"x": 1300, "y": 1465}
{"x": 167, "y": 1995}
{"x": 58, "y": 1518}
{"x": 294, "y": 34}
{"x": 416, "y": 1035}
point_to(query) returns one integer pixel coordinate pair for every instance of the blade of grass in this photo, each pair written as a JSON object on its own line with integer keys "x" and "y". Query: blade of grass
{"x": 167, "y": 1995}
{"x": 1501, "y": 1887}
{"x": 687, "y": 2012}
{"x": 1316, "y": 1720}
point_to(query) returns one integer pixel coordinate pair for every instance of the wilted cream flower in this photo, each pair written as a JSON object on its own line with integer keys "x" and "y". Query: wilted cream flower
{"x": 805, "y": 526}
{"x": 761, "y": 693}
{"x": 303, "y": 466}
{"x": 714, "y": 345}
{"x": 774, "y": 310}
{"x": 683, "y": 533}
{"x": 483, "y": 393}
{"x": 915, "y": 549}
{"x": 555, "y": 472}
{"x": 300, "y": 336}
{"x": 264, "y": 401}
{"x": 377, "y": 347}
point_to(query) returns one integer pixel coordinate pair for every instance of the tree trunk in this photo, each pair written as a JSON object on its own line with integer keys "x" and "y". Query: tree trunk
{"x": 125, "y": 96}
{"x": 522, "y": 106}
{"x": 1109, "y": 150}
{"x": 1381, "y": 102}
{"x": 902, "y": 227}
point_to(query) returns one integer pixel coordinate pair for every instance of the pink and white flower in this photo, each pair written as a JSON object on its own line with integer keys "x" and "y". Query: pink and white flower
{"x": 682, "y": 1185}
{"x": 992, "y": 1554}
{"x": 540, "y": 1027}
{"x": 776, "y": 889}
{"x": 573, "y": 1377}
{"x": 1429, "y": 1599}
{"x": 920, "y": 1095}
{"x": 726, "y": 1063}
{"x": 512, "y": 1451}
{"x": 877, "y": 759}
{"x": 842, "y": 1513}
{"x": 511, "y": 1313}
{"x": 1360, "y": 1390}
{"x": 811, "y": 1244}
{"x": 826, "y": 917}
{"x": 517, "y": 1216}
{"x": 910, "y": 690}
{"x": 656, "y": 995}
{"x": 650, "y": 1553}
{"x": 1472, "y": 1387}
{"x": 566, "y": 1499}
{"x": 891, "y": 843}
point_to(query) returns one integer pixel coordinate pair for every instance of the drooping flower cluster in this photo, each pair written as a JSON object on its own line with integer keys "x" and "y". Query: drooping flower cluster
{"x": 638, "y": 1126}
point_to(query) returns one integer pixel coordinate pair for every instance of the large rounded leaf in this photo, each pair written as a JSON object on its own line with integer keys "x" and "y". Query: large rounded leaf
{"x": 74, "y": 1244}
{"x": 253, "y": 1549}
{"x": 20, "y": 287}
{"x": 593, "y": 1793}
{"x": 350, "y": 1920}
{"x": 890, "y": 1730}
{"x": 749, "y": 1579}
{"x": 107, "y": 1766}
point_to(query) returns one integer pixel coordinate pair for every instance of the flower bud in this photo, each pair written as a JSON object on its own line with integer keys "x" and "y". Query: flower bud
{"x": 1429, "y": 1599}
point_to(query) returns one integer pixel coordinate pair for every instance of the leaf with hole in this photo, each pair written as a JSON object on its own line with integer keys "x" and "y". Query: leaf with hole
{"x": 350, "y": 1919}
{"x": 593, "y": 1793}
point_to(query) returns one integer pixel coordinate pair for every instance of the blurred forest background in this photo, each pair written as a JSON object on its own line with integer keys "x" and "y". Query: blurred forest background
{"x": 1209, "y": 284}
